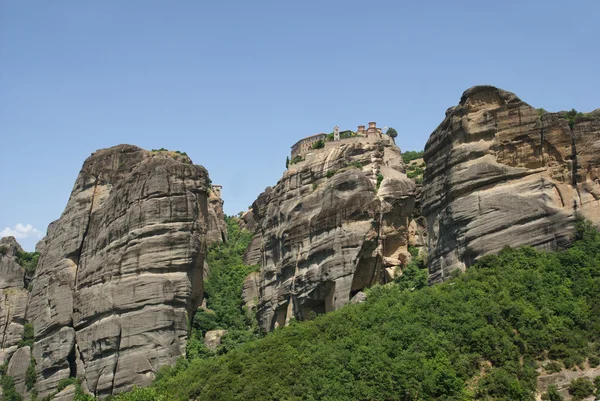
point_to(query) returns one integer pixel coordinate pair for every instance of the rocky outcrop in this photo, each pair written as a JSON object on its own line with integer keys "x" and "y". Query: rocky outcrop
{"x": 250, "y": 290}
{"x": 329, "y": 228}
{"x": 13, "y": 298}
{"x": 217, "y": 228}
{"x": 120, "y": 273}
{"x": 500, "y": 172}
{"x": 562, "y": 380}
{"x": 17, "y": 367}
{"x": 67, "y": 394}
{"x": 212, "y": 339}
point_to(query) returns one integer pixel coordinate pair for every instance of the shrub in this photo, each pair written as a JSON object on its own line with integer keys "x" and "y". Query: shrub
{"x": 30, "y": 377}
{"x": 330, "y": 173}
{"x": 356, "y": 164}
{"x": 142, "y": 394}
{"x": 392, "y": 132}
{"x": 28, "y": 260}
{"x": 379, "y": 180}
{"x": 9, "y": 393}
{"x": 594, "y": 361}
{"x": 571, "y": 116}
{"x": 552, "y": 394}
{"x": 414, "y": 172}
{"x": 28, "y": 337}
{"x": 581, "y": 388}
{"x": 3, "y": 250}
{"x": 553, "y": 367}
{"x": 318, "y": 144}
{"x": 296, "y": 159}
{"x": 64, "y": 383}
{"x": 411, "y": 155}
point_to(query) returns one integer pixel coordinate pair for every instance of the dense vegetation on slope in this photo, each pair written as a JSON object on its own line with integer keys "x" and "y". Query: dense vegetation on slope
{"x": 411, "y": 155}
{"x": 223, "y": 292}
{"x": 480, "y": 335}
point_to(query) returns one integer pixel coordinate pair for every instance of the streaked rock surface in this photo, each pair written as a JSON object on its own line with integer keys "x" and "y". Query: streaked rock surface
{"x": 13, "y": 298}
{"x": 121, "y": 271}
{"x": 501, "y": 173}
{"x": 325, "y": 232}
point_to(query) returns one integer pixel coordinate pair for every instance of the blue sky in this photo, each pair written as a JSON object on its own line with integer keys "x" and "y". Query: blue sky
{"x": 234, "y": 84}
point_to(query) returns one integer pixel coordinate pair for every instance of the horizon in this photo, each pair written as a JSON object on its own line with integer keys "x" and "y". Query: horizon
{"x": 235, "y": 88}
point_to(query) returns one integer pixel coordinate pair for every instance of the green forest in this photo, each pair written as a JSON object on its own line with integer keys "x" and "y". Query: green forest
{"x": 480, "y": 335}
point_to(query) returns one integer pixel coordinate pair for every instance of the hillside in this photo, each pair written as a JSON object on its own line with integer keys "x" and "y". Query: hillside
{"x": 483, "y": 334}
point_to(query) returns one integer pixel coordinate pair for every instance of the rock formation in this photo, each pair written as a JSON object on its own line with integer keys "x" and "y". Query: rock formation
{"x": 334, "y": 224}
{"x": 217, "y": 228}
{"x": 120, "y": 273}
{"x": 13, "y": 298}
{"x": 500, "y": 172}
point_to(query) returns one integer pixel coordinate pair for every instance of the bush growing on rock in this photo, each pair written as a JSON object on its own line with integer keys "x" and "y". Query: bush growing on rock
{"x": 552, "y": 394}
{"x": 223, "y": 291}
{"x": 28, "y": 260}
{"x": 28, "y": 337}
{"x": 318, "y": 144}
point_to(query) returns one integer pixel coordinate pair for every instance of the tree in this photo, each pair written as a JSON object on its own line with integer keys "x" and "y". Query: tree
{"x": 392, "y": 132}
{"x": 580, "y": 388}
{"x": 287, "y": 161}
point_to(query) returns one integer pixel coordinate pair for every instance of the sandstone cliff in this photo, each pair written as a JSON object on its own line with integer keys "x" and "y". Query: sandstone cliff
{"x": 13, "y": 298}
{"x": 120, "y": 273}
{"x": 334, "y": 224}
{"x": 499, "y": 172}
{"x": 217, "y": 228}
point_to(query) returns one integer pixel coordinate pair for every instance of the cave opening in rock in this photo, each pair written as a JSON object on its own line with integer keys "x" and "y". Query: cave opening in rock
{"x": 71, "y": 359}
{"x": 311, "y": 308}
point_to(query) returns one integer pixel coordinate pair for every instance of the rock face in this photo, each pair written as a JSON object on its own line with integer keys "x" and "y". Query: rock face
{"x": 217, "y": 228}
{"x": 501, "y": 173}
{"x": 17, "y": 367}
{"x": 212, "y": 339}
{"x": 325, "y": 231}
{"x": 13, "y": 298}
{"x": 120, "y": 273}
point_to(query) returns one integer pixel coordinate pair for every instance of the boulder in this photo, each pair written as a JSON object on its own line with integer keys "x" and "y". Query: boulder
{"x": 19, "y": 362}
{"x": 212, "y": 339}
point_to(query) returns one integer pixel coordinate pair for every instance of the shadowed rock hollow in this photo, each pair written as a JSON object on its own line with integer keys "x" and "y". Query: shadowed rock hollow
{"x": 499, "y": 172}
{"x": 121, "y": 271}
{"x": 325, "y": 231}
